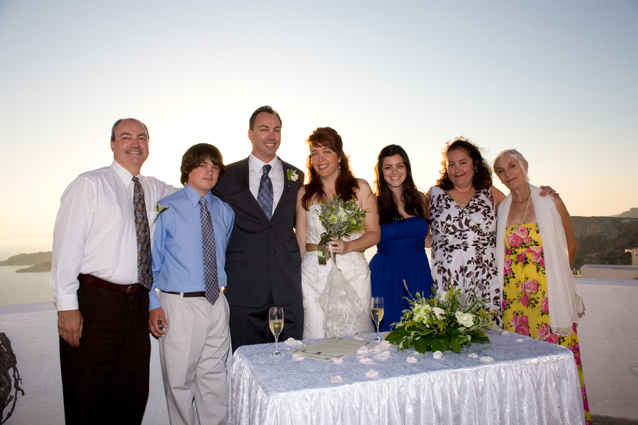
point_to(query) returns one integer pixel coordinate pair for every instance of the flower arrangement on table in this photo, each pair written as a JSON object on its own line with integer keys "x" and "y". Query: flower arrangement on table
{"x": 339, "y": 219}
{"x": 445, "y": 321}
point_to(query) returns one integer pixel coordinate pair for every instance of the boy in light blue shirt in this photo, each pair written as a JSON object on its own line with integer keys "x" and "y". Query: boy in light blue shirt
{"x": 188, "y": 311}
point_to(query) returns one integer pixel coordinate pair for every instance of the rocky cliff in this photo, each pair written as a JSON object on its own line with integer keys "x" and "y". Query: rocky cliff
{"x": 603, "y": 240}
{"x": 28, "y": 259}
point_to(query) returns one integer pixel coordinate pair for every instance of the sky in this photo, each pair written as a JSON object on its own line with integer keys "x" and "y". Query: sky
{"x": 556, "y": 80}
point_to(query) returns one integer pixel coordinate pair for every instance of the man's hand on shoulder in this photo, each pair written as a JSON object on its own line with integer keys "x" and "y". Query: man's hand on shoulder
{"x": 155, "y": 317}
{"x": 70, "y": 324}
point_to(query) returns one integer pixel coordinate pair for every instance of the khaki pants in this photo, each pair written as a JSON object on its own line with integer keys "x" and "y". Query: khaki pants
{"x": 194, "y": 353}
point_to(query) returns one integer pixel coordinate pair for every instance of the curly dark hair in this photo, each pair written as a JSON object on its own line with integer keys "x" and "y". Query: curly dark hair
{"x": 388, "y": 210}
{"x": 197, "y": 154}
{"x": 346, "y": 183}
{"x": 482, "y": 171}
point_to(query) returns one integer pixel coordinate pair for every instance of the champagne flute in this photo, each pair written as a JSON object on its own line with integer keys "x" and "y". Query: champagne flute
{"x": 376, "y": 309}
{"x": 276, "y": 323}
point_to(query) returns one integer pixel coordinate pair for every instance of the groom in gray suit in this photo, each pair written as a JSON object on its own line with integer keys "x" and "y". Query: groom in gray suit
{"x": 263, "y": 263}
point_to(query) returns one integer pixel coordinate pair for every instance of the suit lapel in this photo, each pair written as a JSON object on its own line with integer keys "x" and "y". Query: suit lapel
{"x": 287, "y": 187}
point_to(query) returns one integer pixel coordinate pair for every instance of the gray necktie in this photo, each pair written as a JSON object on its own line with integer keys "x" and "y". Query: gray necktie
{"x": 210, "y": 254}
{"x": 143, "y": 235}
{"x": 265, "y": 194}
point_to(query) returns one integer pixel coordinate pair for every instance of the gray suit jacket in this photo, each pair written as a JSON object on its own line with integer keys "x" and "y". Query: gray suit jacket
{"x": 262, "y": 255}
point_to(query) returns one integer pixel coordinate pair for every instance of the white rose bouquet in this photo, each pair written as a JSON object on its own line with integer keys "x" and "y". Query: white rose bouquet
{"x": 445, "y": 321}
{"x": 339, "y": 219}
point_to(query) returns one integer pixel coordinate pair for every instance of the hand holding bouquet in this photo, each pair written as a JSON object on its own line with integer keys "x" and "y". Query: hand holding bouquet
{"x": 339, "y": 219}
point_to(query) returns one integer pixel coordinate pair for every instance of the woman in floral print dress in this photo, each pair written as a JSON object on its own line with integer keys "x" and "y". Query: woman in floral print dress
{"x": 463, "y": 214}
{"x": 533, "y": 293}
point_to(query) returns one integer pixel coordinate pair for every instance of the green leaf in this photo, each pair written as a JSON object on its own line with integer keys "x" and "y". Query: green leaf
{"x": 455, "y": 346}
{"x": 421, "y": 345}
{"x": 440, "y": 343}
{"x": 480, "y": 336}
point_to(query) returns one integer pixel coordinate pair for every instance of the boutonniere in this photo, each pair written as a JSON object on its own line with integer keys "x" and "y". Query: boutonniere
{"x": 160, "y": 209}
{"x": 292, "y": 176}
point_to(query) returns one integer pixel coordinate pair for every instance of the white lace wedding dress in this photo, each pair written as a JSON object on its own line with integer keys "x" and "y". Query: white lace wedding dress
{"x": 346, "y": 300}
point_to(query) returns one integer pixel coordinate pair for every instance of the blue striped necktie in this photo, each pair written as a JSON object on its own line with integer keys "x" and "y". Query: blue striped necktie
{"x": 210, "y": 254}
{"x": 265, "y": 194}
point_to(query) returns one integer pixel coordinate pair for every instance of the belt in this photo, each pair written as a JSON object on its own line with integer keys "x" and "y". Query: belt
{"x": 313, "y": 247}
{"x": 187, "y": 294}
{"x": 88, "y": 279}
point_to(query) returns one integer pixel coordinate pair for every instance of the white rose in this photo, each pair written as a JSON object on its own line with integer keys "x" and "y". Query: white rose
{"x": 465, "y": 319}
{"x": 439, "y": 312}
{"x": 442, "y": 296}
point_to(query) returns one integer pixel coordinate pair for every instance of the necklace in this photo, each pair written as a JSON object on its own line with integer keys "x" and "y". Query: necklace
{"x": 464, "y": 210}
{"x": 526, "y": 207}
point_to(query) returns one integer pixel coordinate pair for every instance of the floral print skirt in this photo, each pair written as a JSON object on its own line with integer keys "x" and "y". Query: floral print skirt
{"x": 525, "y": 304}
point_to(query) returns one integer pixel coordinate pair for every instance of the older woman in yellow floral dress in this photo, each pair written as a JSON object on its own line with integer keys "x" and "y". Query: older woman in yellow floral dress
{"x": 535, "y": 248}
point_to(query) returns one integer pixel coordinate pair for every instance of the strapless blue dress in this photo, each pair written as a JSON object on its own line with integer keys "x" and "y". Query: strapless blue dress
{"x": 400, "y": 255}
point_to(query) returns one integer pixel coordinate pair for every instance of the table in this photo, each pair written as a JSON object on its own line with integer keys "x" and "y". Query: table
{"x": 528, "y": 382}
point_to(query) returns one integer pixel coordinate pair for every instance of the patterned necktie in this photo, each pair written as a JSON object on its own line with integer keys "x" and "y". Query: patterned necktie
{"x": 265, "y": 194}
{"x": 210, "y": 254}
{"x": 143, "y": 235}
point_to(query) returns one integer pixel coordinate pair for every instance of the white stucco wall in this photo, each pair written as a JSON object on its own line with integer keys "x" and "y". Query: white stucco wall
{"x": 608, "y": 340}
{"x": 32, "y": 329}
{"x": 607, "y": 334}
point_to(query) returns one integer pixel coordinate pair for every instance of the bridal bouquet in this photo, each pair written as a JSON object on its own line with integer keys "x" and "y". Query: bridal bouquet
{"x": 339, "y": 219}
{"x": 445, "y": 321}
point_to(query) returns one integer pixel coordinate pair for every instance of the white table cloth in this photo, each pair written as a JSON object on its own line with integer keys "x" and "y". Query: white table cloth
{"x": 528, "y": 382}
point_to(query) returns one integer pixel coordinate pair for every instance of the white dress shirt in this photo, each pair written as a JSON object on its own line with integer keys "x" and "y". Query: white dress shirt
{"x": 94, "y": 231}
{"x": 255, "y": 171}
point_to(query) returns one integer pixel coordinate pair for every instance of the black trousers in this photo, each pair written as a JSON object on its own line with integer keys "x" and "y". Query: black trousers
{"x": 105, "y": 380}
{"x": 249, "y": 325}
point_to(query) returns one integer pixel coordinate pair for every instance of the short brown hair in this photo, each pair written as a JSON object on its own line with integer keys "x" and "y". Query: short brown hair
{"x": 265, "y": 108}
{"x": 197, "y": 154}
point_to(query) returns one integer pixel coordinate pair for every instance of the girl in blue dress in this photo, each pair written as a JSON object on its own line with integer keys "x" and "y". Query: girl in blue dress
{"x": 401, "y": 253}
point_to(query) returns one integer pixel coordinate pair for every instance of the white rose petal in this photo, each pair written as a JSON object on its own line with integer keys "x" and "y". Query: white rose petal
{"x": 486, "y": 359}
{"x": 383, "y": 356}
{"x": 338, "y": 361}
{"x": 472, "y": 355}
{"x": 372, "y": 373}
{"x": 519, "y": 340}
{"x": 336, "y": 378}
{"x": 411, "y": 360}
{"x": 363, "y": 350}
{"x": 293, "y": 342}
{"x": 358, "y": 338}
{"x": 365, "y": 361}
{"x": 437, "y": 354}
{"x": 504, "y": 333}
{"x": 297, "y": 357}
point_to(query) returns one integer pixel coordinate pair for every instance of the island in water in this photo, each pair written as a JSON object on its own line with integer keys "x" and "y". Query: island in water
{"x": 38, "y": 262}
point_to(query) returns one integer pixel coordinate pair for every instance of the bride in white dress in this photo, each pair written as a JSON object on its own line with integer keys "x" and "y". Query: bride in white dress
{"x": 329, "y": 174}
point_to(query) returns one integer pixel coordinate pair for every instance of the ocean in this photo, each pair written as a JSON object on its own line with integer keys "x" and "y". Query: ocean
{"x": 27, "y": 288}
{"x": 23, "y": 288}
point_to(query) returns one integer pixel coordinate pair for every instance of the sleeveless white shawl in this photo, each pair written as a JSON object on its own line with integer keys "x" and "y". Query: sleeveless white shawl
{"x": 560, "y": 283}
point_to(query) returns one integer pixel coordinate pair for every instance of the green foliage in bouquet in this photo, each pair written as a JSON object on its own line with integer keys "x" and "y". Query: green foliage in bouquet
{"x": 339, "y": 219}
{"x": 445, "y": 321}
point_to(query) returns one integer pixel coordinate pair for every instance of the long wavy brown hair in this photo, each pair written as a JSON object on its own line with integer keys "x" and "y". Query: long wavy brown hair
{"x": 482, "y": 174}
{"x": 346, "y": 184}
{"x": 388, "y": 210}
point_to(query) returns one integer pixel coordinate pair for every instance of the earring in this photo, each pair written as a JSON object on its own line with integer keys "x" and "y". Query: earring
{"x": 339, "y": 168}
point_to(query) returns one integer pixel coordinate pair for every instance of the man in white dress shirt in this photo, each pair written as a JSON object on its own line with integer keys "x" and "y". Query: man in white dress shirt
{"x": 100, "y": 278}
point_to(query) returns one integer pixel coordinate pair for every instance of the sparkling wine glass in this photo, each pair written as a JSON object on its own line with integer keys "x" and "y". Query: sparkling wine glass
{"x": 376, "y": 309}
{"x": 276, "y": 323}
